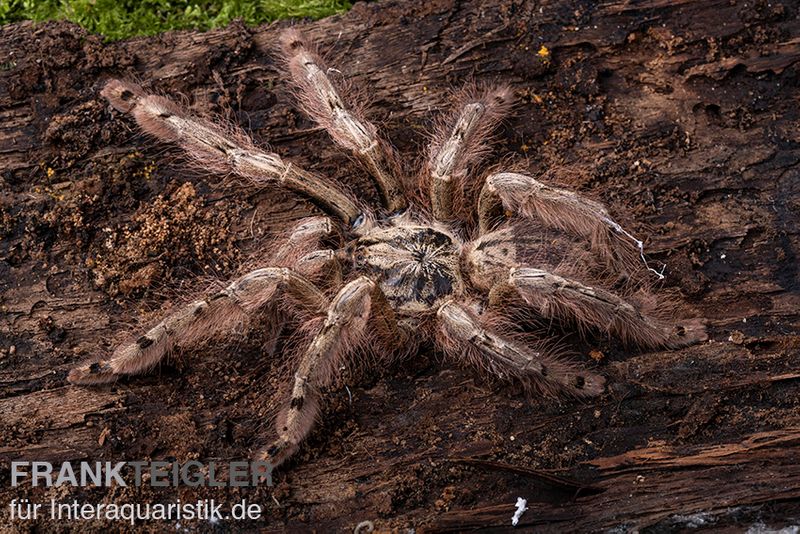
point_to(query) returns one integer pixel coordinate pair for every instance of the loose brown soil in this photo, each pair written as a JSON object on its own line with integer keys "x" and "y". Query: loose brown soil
{"x": 685, "y": 115}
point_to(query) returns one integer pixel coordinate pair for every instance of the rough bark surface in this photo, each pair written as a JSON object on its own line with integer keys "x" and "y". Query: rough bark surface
{"x": 684, "y": 116}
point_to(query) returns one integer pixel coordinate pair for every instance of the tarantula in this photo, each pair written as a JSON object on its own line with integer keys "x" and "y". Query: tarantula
{"x": 444, "y": 259}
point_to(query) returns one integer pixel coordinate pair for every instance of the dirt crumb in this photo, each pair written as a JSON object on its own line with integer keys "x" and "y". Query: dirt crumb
{"x": 172, "y": 231}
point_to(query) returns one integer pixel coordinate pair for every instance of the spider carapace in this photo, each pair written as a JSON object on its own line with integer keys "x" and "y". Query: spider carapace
{"x": 416, "y": 266}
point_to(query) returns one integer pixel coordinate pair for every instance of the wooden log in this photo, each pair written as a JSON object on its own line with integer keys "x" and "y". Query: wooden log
{"x": 683, "y": 116}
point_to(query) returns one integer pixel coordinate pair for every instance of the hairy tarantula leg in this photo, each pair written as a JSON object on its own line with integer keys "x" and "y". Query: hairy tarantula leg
{"x": 342, "y": 331}
{"x": 463, "y": 335}
{"x": 307, "y": 234}
{"x": 561, "y": 209}
{"x": 301, "y": 251}
{"x": 459, "y": 145}
{"x": 201, "y": 318}
{"x": 323, "y": 264}
{"x": 590, "y": 307}
{"x": 225, "y": 150}
{"x": 320, "y": 100}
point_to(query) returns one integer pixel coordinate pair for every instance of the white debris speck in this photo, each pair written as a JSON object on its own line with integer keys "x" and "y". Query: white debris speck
{"x": 761, "y": 528}
{"x": 722, "y": 256}
{"x": 522, "y": 505}
{"x": 692, "y": 521}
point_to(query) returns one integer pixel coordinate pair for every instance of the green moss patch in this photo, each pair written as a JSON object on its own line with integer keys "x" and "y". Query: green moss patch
{"x": 119, "y": 19}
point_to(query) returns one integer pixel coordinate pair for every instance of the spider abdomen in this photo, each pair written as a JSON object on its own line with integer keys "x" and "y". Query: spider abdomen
{"x": 417, "y": 266}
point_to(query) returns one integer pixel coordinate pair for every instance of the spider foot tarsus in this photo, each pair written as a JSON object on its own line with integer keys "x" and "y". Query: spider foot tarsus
{"x": 99, "y": 372}
{"x": 553, "y": 296}
{"x": 148, "y": 349}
